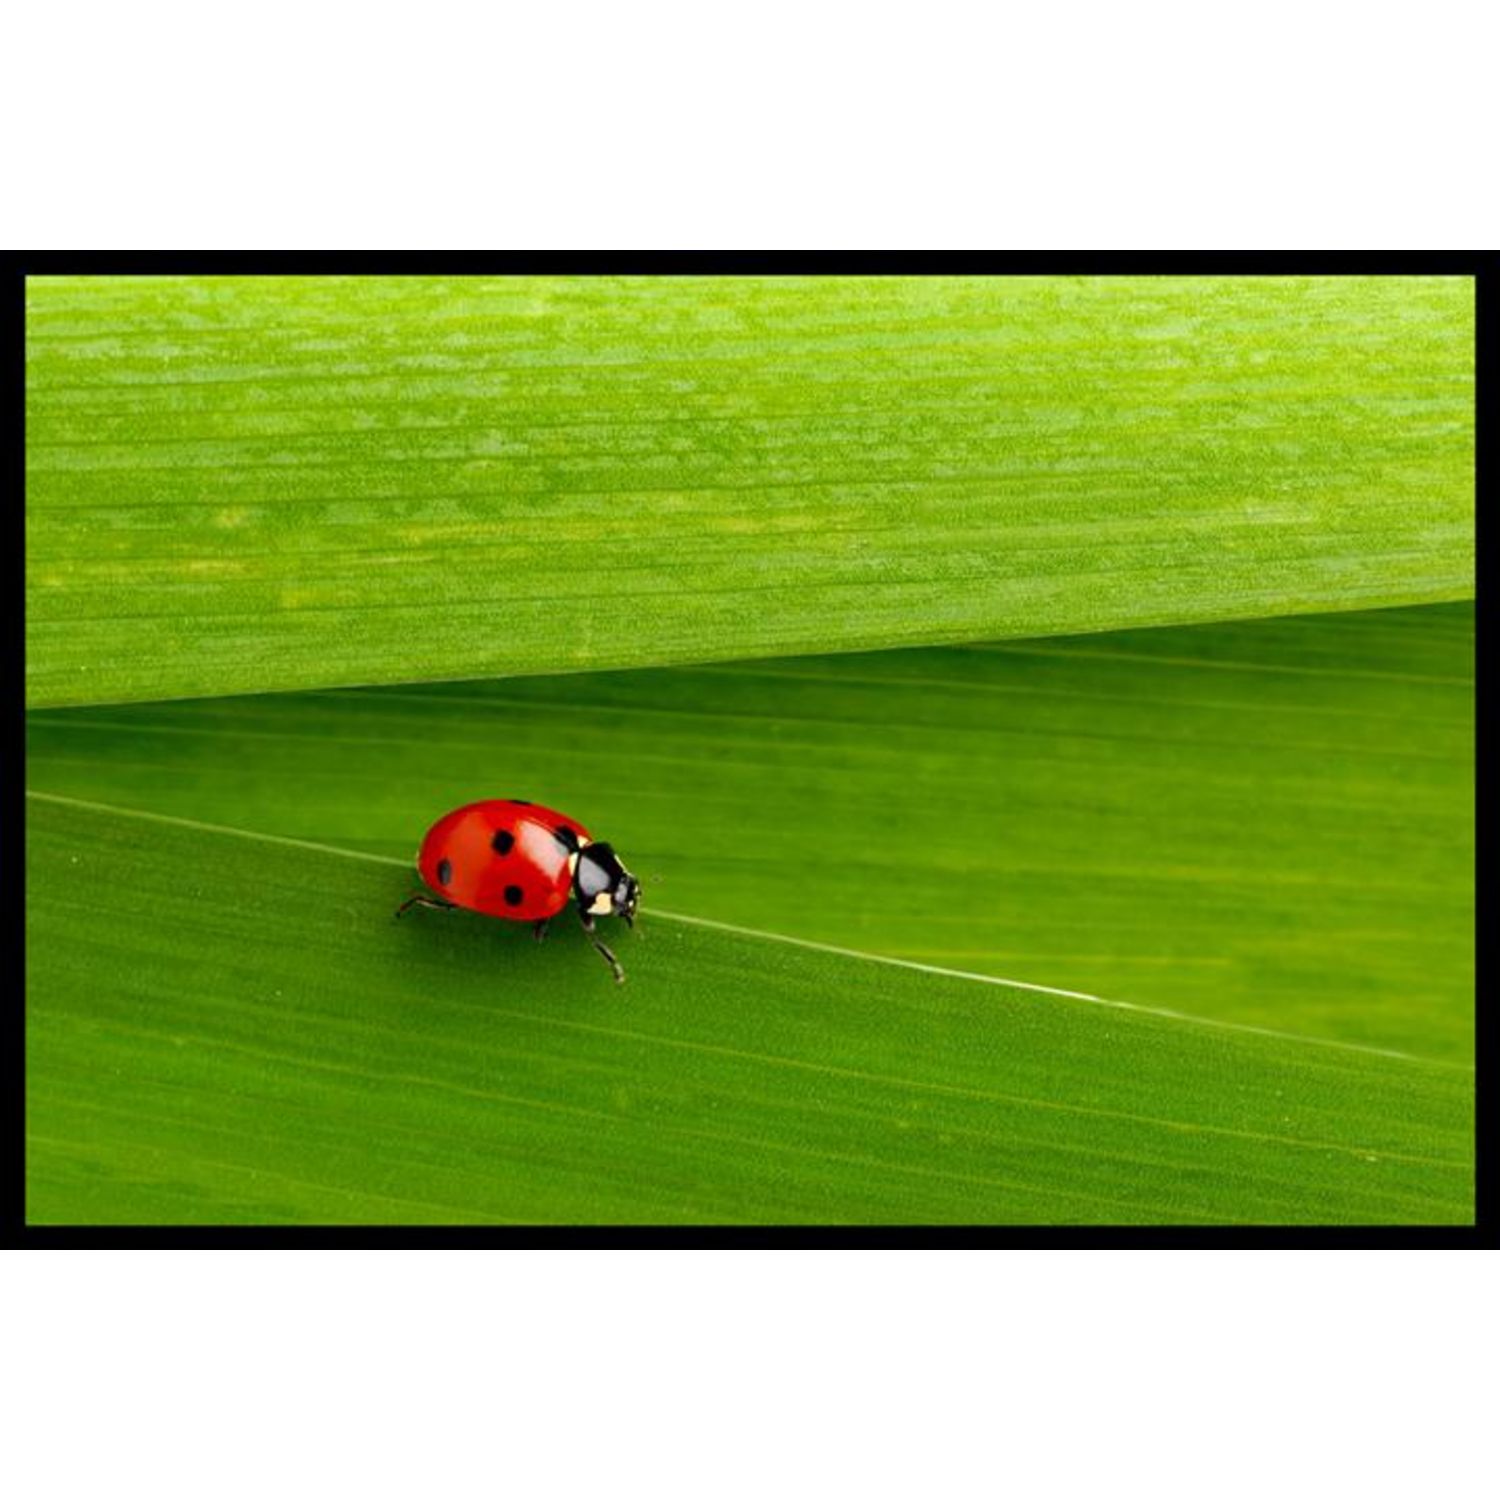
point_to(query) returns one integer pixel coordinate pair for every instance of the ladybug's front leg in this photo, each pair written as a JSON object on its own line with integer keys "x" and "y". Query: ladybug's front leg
{"x": 609, "y": 958}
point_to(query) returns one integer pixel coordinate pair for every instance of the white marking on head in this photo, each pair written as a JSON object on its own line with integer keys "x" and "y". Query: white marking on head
{"x": 603, "y": 905}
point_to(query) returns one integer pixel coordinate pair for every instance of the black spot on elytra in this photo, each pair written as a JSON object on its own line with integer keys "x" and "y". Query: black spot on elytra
{"x": 514, "y": 895}
{"x": 503, "y": 842}
{"x": 445, "y": 872}
{"x": 567, "y": 838}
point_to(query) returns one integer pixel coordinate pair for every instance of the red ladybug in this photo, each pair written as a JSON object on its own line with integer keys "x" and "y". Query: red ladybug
{"x": 511, "y": 858}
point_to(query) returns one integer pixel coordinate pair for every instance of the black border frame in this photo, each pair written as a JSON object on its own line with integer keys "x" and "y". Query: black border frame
{"x": 17, "y": 265}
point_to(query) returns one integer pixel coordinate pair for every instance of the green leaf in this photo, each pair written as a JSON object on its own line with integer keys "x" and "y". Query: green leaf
{"x": 224, "y": 1028}
{"x": 1267, "y": 822}
{"x": 242, "y": 484}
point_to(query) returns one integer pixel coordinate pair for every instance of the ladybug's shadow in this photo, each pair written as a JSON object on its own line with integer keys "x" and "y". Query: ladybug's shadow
{"x": 507, "y": 956}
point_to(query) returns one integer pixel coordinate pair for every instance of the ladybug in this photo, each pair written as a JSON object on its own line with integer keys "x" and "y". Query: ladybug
{"x": 511, "y": 858}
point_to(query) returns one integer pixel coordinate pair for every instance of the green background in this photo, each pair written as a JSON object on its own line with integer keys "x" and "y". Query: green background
{"x": 1028, "y": 921}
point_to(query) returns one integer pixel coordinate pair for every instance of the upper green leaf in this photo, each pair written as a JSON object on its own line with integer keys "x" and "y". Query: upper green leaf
{"x": 242, "y": 484}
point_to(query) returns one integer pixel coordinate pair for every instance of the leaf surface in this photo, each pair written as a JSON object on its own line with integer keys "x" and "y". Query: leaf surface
{"x": 225, "y": 1028}
{"x": 245, "y": 484}
{"x": 1268, "y": 822}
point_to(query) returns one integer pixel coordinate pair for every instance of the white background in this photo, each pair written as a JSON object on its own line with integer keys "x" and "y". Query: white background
{"x": 766, "y": 1375}
{"x": 803, "y": 123}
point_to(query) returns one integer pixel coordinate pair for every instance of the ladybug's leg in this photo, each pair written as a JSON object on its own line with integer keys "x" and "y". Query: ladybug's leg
{"x": 539, "y": 929}
{"x": 609, "y": 958}
{"x": 421, "y": 900}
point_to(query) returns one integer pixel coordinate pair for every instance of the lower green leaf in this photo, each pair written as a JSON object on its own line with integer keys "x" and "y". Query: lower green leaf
{"x": 230, "y": 1028}
{"x": 1267, "y": 822}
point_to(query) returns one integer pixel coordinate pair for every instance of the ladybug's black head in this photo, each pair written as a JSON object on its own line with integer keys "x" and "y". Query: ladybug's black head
{"x": 602, "y": 886}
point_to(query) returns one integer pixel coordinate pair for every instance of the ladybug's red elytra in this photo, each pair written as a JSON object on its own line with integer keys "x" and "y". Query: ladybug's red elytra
{"x": 511, "y": 858}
